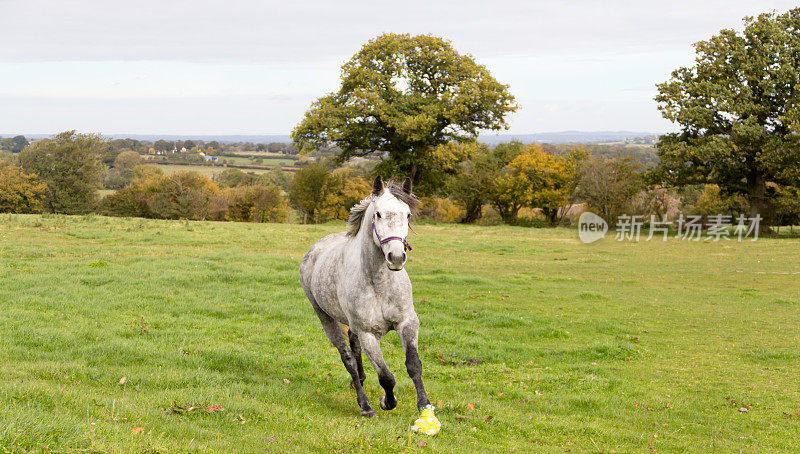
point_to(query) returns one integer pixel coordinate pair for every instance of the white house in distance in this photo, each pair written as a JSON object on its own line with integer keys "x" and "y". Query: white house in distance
{"x": 208, "y": 158}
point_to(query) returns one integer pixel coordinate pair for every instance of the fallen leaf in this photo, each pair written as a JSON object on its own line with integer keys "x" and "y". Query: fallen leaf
{"x": 743, "y": 410}
{"x": 286, "y": 380}
{"x": 487, "y": 418}
{"x": 137, "y": 430}
{"x": 214, "y": 408}
{"x": 500, "y": 394}
{"x": 177, "y": 408}
{"x": 270, "y": 439}
{"x": 422, "y": 444}
{"x": 439, "y": 403}
{"x": 470, "y": 407}
{"x": 459, "y": 416}
{"x": 123, "y": 380}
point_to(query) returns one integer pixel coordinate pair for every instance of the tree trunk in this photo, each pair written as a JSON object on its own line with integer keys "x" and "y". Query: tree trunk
{"x": 757, "y": 191}
{"x": 474, "y": 211}
{"x": 551, "y": 215}
{"x": 508, "y": 218}
{"x": 509, "y": 214}
{"x": 413, "y": 172}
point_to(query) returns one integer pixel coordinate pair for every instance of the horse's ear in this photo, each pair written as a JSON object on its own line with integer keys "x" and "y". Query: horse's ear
{"x": 407, "y": 185}
{"x": 377, "y": 185}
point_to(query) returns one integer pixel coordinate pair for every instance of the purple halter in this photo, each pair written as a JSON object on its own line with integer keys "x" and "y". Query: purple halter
{"x": 390, "y": 238}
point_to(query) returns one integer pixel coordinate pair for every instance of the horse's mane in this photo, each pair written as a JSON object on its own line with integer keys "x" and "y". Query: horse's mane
{"x": 358, "y": 210}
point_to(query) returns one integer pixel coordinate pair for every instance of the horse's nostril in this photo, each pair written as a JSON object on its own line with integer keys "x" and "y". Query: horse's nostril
{"x": 404, "y": 256}
{"x": 389, "y": 256}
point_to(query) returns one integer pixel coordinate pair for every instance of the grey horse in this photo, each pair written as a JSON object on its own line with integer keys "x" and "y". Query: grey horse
{"x": 356, "y": 278}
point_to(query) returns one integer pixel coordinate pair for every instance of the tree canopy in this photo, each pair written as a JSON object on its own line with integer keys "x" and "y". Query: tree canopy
{"x": 19, "y": 192}
{"x": 548, "y": 181}
{"x": 733, "y": 107}
{"x": 14, "y": 144}
{"x": 70, "y": 165}
{"x": 405, "y": 95}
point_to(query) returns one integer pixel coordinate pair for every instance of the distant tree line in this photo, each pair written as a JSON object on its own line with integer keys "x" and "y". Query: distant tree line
{"x": 13, "y": 144}
{"x": 413, "y": 106}
{"x": 511, "y": 183}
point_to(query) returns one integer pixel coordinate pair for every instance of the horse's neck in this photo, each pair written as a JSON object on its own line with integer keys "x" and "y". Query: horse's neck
{"x": 372, "y": 260}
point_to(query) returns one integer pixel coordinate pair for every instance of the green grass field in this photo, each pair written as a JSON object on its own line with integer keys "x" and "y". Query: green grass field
{"x": 265, "y": 154}
{"x": 209, "y": 171}
{"x": 530, "y": 341}
{"x": 267, "y": 160}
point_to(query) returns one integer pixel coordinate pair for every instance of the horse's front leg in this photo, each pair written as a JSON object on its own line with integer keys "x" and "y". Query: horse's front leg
{"x": 372, "y": 346}
{"x": 408, "y": 337}
{"x": 427, "y": 422}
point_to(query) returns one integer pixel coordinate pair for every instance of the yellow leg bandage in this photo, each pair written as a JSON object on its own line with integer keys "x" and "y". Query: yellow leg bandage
{"x": 427, "y": 423}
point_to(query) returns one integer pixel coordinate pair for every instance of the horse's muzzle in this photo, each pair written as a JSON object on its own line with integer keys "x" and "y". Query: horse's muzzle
{"x": 396, "y": 260}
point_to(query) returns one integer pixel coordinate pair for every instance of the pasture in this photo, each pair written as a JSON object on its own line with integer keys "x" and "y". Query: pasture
{"x": 266, "y": 160}
{"x": 208, "y": 171}
{"x": 131, "y": 335}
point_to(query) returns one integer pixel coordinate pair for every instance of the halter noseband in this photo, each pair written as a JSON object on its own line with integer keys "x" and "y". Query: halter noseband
{"x": 390, "y": 238}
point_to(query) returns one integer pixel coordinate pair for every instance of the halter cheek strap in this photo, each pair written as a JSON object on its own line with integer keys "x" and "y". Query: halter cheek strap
{"x": 390, "y": 238}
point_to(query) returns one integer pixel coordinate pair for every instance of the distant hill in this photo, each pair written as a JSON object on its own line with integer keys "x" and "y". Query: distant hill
{"x": 586, "y": 137}
{"x": 492, "y": 139}
{"x": 230, "y": 138}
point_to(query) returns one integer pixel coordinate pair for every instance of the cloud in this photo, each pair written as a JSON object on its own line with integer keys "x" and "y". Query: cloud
{"x": 164, "y": 115}
{"x": 259, "y": 31}
{"x": 178, "y": 66}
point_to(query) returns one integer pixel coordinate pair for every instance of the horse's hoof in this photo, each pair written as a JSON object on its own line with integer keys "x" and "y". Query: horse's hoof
{"x": 386, "y": 406}
{"x": 368, "y": 413}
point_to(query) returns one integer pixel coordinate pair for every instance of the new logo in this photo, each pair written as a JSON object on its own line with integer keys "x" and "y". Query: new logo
{"x": 591, "y": 227}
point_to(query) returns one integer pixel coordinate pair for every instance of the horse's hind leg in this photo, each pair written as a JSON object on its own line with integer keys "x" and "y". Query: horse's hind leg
{"x": 337, "y": 339}
{"x": 355, "y": 347}
{"x": 372, "y": 346}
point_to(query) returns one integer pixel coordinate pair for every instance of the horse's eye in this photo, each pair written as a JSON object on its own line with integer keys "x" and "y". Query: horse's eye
{"x": 379, "y": 214}
{"x": 409, "y": 215}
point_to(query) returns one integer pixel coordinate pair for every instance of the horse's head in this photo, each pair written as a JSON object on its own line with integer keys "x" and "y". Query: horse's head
{"x": 391, "y": 217}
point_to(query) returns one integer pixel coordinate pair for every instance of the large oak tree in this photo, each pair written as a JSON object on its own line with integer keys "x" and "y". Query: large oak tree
{"x": 70, "y": 165}
{"x": 732, "y": 108}
{"x": 405, "y": 96}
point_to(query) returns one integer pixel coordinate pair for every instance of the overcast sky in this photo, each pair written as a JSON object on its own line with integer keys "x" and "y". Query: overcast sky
{"x": 253, "y": 67}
